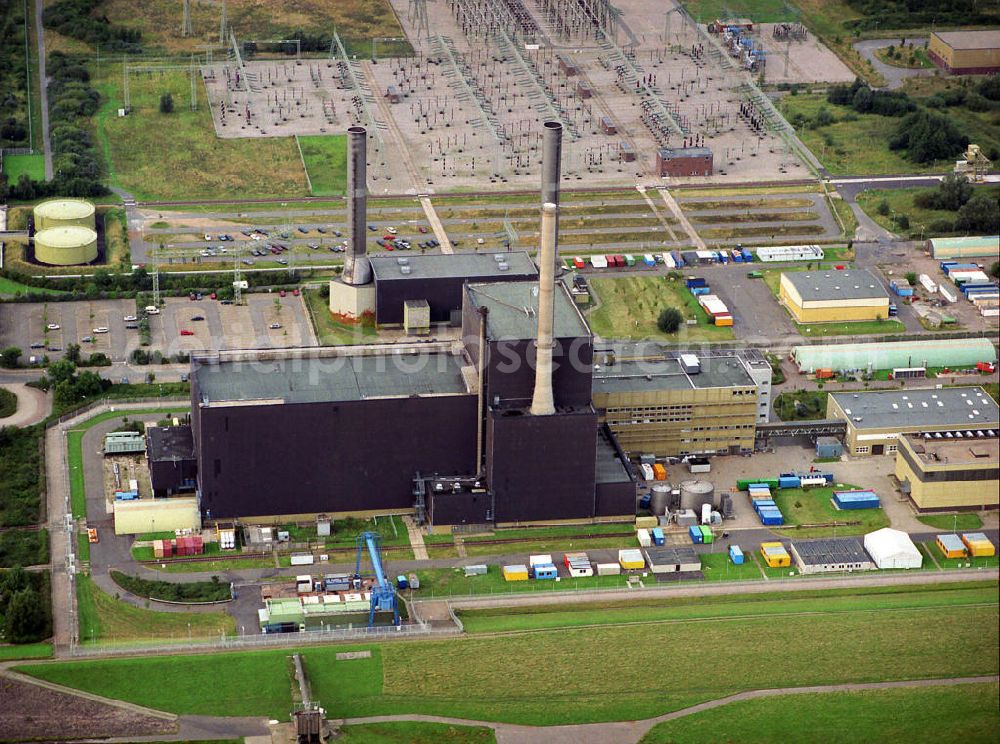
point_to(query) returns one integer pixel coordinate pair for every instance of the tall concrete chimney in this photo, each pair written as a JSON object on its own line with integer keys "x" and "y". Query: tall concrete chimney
{"x": 542, "y": 402}
{"x": 552, "y": 132}
{"x": 357, "y": 269}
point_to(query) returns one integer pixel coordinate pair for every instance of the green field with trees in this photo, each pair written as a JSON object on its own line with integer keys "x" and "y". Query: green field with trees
{"x": 967, "y": 712}
{"x": 562, "y": 675}
{"x": 21, "y": 467}
{"x": 25, "y": 612}
{"x": 13, "y": 77}
{"x": 24, "y": 547}
{"x": 955, "y": 207}
{"x": 172, "y": 591}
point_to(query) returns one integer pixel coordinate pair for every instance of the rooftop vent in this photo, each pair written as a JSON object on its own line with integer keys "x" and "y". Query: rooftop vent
{"x": 405, "y": 269}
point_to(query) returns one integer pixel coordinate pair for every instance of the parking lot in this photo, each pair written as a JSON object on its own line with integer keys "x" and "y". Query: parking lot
{"x": 185, "y": 325}
{"x": 50, "y": 327}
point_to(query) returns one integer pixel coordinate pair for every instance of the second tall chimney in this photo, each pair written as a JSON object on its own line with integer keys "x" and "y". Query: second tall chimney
{"x": 542, "y": 402}
{"x": 357, "y": 269}
{"x": 552, "y": 132}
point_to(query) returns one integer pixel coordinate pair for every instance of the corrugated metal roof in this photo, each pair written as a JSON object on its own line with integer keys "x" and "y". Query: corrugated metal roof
{"x": 834, "y": 550}
{"x": 817, "y": 286}
{"x": 979, "y": 39}
{"x": 935, "y": 408}
{"x": 930, "y": 353}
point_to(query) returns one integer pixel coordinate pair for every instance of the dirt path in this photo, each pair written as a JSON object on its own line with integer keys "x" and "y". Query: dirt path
{"x": 32, "y": 405}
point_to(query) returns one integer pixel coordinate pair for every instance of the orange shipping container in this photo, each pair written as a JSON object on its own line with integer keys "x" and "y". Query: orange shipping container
{"x": 659, "y": 472}
{"x": 824, "y": 374}
{"x": 723, "y": 320}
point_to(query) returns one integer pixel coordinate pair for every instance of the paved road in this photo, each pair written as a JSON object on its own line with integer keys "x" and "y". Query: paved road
{"x": 894, "y": 76}
{"x": 44, "y": 85}
{"x": 32, "y": 405}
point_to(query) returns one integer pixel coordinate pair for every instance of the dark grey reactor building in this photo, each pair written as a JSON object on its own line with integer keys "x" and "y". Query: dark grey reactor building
{"x": 440, "y": 429}
{"x": 439, "y": 279}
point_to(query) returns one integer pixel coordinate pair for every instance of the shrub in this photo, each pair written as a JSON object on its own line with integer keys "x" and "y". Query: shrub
{"x": 903, "y": 221}
{"x": 670, "y": 320}
{"x": 166, "y": 104}
{"x": 883, "y": 208}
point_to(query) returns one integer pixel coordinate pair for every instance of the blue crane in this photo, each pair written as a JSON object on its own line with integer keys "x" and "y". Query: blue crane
{"x": 383, "y": 593}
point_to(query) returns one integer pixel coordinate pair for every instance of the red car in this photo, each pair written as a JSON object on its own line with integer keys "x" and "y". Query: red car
{"x": 186, "y": 332}
{"x": 295, "y": 292}
{"x": 213, "y": 296}
{"x": 281, "y": 293}
{"x": 422, "y": 229}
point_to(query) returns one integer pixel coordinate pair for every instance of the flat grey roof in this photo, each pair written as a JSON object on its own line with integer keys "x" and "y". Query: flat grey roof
{"x": 610, "y": 468}
{"x": 642, "y": 368}
{"x": 958, "y": 408}
{"x": 856, "y": 284}
{"x": 663, "y": 554}
{"x": 329, "y": 379}
{"x": 472, "y": 266}
{"x": 513, "y": 310}
{"x": 984, "y": 39}
{"x": 833, "y": 550}
{"x": 671, "y": 153}
{"x": 170, "y": 443}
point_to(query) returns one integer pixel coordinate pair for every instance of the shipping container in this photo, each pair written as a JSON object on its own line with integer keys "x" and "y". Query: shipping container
{"x": 747, "y": 256}
{"x": 302, "y": 559}
{"x": 744, "y": 483}
{"x": 608, "y": 569}
{"x": 678, "y": 259}
{"x": 978, "y": 544}
{"x": 707, "y": 537}
{"x": 952, "y": 546}
{"x": 659, "y": 471}
{"x": 644, "y": 539}
{"x": 648, "y": 473}
{"x": 649, "y": 260}
{"x": 694, "y": 531}
{"x": 775, "y": 555}
{"x": 578, "y": 262}
{"x": 599, "y": 262}
{"x": 736, "y": 555}
{"x": 518, "y": 572}
{"x": 696, "y": 281}
{"x": 545, "y": 572}
{"x": 646, "y": 523}
{"x": 668, "y": 261}
{"x": 539, "y": 560}
{"x": 629, "y": 259}
{"x": 658, "y": 537}
{"x": 631, "y": 559}
{"x": 723, "y": 321}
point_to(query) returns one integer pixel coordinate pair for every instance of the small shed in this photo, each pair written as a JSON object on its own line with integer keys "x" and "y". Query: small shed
{"x": 829, "y": 447}
{"x": 775, "y": 555}
{"x": 608, "y": 126}
{"x": 892, "y": 549}
{"x": 392, "y": 94}
{"x": 951, "y": 546}
{"x": 671, "y": 559}
{"x": 978, "y": 544}
{"x": 417, "y": 317}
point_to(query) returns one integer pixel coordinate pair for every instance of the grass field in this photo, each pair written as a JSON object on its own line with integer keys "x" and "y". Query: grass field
{"x": 953, "y": 522}
{"x": 325, "y": 157}
{"x": 10, "y": 287}
{"x": 931, "y": 550}
{"x": 25, "y": 651}
{"x": 8, "y": 403}
{"x": 801, "y": 405}
{"x": 177, "y": 155}
{"x": 629, "y": 307}
{"x": 14, "y": 166}
{"x": 106, "y": 619}
{"x": 802, "y": 506}
{"x": 331, "y": 332}
{"x": 859, "y": 328}
{"x": 963, "y": 713}
{"x": 761, "y": 11}
{"x": 357, "y": 21}
{"x": 414, "y": 732}
{"x": 564, "y": 675}
{"x": 437, "y": 582}
{"x": 901, "y": 202}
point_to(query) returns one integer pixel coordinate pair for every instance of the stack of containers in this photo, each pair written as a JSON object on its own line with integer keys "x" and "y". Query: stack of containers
{"x": 856, "y": 500}
{"x": 578, "y": 565}
{"x": 978, "y": 544}
{"x": 659, "y": 471}
{"x": 766, "y": 508}
{"x": 696, "y": 534}
{"x": 716, "y": 309}
{"x": 163, "y": 548}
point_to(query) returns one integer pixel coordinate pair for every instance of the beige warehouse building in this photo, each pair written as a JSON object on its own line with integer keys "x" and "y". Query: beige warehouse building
{"x": 671, "y": 403}
{"x": 833, "y": 296}
{"x": 940, "y": 473}
{"x": 877, "y": 419}
{"x": 966, "y": 52}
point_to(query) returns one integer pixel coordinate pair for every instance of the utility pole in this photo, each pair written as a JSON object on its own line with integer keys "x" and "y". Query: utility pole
{"x": 186, "y": 23}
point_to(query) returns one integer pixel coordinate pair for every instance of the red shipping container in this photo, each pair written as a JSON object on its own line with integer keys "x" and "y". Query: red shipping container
{"x": 182, "y": 546}
{"x": 619, "y": 260}
{"x": 169, "y": 547}
{"x": 197, "y": 545}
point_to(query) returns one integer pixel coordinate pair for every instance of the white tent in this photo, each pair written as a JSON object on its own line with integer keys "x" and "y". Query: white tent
{"x": 891, "y": 548}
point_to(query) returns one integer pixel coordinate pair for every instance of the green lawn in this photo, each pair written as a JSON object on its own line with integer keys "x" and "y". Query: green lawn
{"x": 178, "y": 155}
{"x": 953, "y": 713}
{"x": 856, "y": 328}
{"x": 25, "y": 651}
{"x": 564, "y": 675}
{"x": 802, "y": 506}
{"x": 760, "y": 11}
{"x": 74, "y": 444}
{"x": 325, "y": 158}
{"x": 932, "y": 551}
{"x": 10, "y": 287}
{"x": 953, "y": 522}
{"x": 436, "y": 582}
{"x": 14, "y": 166}
{"x": 329, "y": 330}
{"x": 629, "y": 307}
{"x": 902, "y": 202}
{"x": 106, "y": 619}
{"x": 414, "y": 732}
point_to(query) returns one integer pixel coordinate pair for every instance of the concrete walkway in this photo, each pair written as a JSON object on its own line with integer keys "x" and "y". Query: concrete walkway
{"x": 436, "y": 226}
{"x": 416, "y": 539}
{"x": 33, "y": 405}
{"x": 682, "y": 219}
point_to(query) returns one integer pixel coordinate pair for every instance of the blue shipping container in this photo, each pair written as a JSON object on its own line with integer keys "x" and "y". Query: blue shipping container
{"x": 788, "y": 481}
{"x": 764, "y": 503}
{"x": 700, "y": 290}
{"x": 747, "y": 255}
{"x": 695, "y": 532}
{"x": 645, "y": 501}
{"x": 696, "y": 281}
{"x": 772, "y": 520}
{"x": 735, "y": 554}
{"x": 545, "y": 572}
{"x": 658, "y": 537}
{"x": 678, "y": 258}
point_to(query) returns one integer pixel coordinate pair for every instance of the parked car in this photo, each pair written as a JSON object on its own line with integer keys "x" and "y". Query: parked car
{"x": 101, "y": 329}
{"x": 303, "y": 230}
{"x": 53, "y": 326}
{"x": 186, "y": 332}
{"x": 152, "y": 310}
{"x": 207, "y": 236}
{"x": 197, "y": 317}
{"x": 275, "y": 326}
{"x": 295, "y": 292}
{"x": 283, "y": 261}
{"x": 422, "y": 229}
{"x": 391, "y": 230}
{"x": 281, "y": 293}
{"x": 130, "y": 319}
{"x": 38, "y": 345}
{"x": 184, "y": 377}
{"x": 372, "y": 228}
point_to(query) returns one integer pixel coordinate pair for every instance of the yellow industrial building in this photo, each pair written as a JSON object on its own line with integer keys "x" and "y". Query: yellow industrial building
{"x": 672, "y": 403}
{"x": 877, "y": 419}
{"x": 949, "y": 473}
{"x": 833, "y": 296}
{"x": 966, "y": 52}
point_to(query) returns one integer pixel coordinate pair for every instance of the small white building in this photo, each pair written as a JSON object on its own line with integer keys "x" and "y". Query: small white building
{"x": 891, "y": 548}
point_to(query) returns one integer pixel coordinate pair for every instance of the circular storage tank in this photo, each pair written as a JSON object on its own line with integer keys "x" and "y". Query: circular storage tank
{"x": 694, "y": 493}
{"x": 659, "y": 498}
{"x": 64, "y": 213}
{"x": 66, "y": 246}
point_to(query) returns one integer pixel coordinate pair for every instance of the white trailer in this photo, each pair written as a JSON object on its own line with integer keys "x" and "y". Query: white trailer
{"x": 929, "y": 284}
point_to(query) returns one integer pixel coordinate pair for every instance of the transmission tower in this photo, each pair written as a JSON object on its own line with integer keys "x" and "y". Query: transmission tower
{"x": 237, "y": 280}
{"x": 417, "y": 14}
{"x": 156, "y": 282}
{"x": 125, "y": 88}
{"x": 223, "y": 21}
{"x": 186, "y": 29}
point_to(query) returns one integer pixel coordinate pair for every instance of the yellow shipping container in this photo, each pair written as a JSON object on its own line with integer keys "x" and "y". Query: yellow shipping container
{"x": 646, "y": 523}
{"x": 515, "y": 573}
{"x": 631, "y": 560}
{"x": 775, "y": 555}
{"x": 979, "y": 545}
